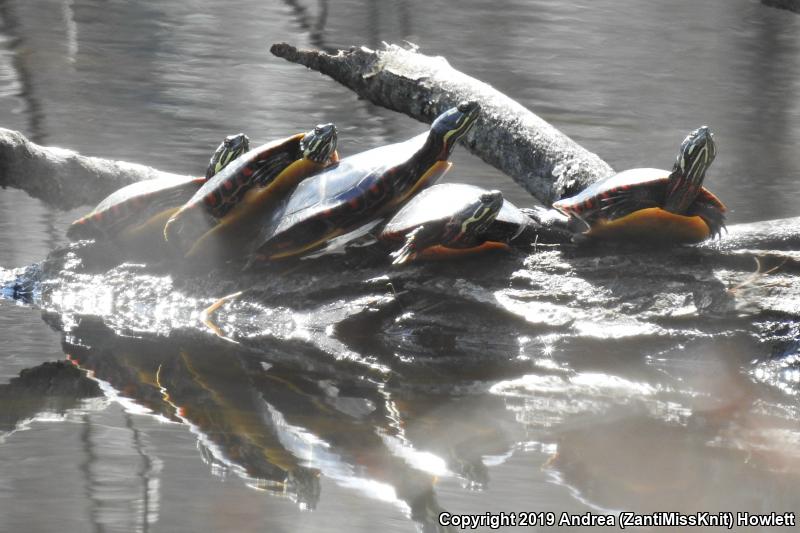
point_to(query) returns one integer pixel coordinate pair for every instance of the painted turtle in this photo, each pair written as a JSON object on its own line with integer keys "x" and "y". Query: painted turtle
{"x": 453, "y": 219}
{"x": 652, "y": 204}
{"x": 362, "y": 188}
{"x": 139, "y": 211}
{"x": 222, "y": 210}
{"x": 232, "y": 147}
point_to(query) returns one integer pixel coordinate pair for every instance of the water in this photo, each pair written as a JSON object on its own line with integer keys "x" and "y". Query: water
{"x": 582, "y": 426}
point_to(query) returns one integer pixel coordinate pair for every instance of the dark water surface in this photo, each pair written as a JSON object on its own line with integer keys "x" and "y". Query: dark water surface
{"x": 173, "y": 443}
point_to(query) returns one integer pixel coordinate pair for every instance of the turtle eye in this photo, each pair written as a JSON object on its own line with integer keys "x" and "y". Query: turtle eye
{"x": 317, "y": 130}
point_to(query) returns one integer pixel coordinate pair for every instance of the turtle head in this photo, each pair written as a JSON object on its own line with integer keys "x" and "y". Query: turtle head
{"x": 319, "y": 144}
{"x": 451, "y": 125}
{"x": 697, "y": 153}
{"x": 467, "y": 226}
{"x": 232, "y": 147}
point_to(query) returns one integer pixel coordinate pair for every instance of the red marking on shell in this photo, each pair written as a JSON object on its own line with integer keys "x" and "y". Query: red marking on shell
{"x": 210, "y": 199}
{"x": 227, "y": 184}
{"x": 98, "y": 217}
{"x": 247, "y": 171}
{"x": 354, "y": 203}
{"x": 375, "y": 188}
{"x": 115, "y": 209}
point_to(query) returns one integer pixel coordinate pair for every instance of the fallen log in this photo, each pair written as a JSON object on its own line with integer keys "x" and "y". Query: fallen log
{"x": 63, "y": 178}
{"x": 508, "y": 136}
{"x": 421, "y": 86}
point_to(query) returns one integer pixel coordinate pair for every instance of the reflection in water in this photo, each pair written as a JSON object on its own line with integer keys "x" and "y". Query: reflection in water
{"x": 122, "y": 476}
{"x": 680, "y": 472}
{"x": 51, "y": 387}
{"x": 22, "y": 79}
{"x": 313, "y": 25}
{"x": 393, "y": 384}
{"x": 276, "y": 429}
{"x": 282, "y": 427}
{"x": 71, "y": 29}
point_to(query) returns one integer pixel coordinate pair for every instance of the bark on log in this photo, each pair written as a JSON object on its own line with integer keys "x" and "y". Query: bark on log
{"x": 773, "y": 235}
{"x": 61, "y": 177}
{"x": 507, "y": 135}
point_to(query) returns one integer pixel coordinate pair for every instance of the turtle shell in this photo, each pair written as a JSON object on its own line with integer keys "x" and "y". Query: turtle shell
{"x": 353, "y": 192}
{"x": 341, "y": 198}
{"x": 610, "y": 209}
{"x": 134, "y": 205}
{"x": 222, "y": 216}
{"x": 362, "y": 188}
{"x": 439, "y": 203}
{"x": 256, "y": 168}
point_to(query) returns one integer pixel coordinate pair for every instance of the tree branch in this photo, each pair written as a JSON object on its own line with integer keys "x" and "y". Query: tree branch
{"x": 64, "y": 178}
{"x": 507, "y": 135}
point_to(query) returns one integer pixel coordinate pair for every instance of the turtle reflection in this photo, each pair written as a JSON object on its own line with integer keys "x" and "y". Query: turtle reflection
{"x": 205, "y": 390}
{"x": 281, "y": 429}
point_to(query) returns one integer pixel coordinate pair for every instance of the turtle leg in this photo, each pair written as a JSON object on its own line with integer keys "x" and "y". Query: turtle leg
{"x": 417, "y": 240}
{"x": 711, "y": 215}
{"x": 408, "y": 251}
{"x": 546, "y": 226}
{"x": 234, "y": 230}
{"x": 207, "y": 314}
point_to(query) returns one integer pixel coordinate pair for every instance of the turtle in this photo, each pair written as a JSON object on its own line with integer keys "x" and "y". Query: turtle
{"x": 232, "y": 147}
{"x": 138, "y": 211}
{"x": 647, "y": 204}
{"x": 222, "y": 211}
{"x": 361, "y": 188}
{"x": 452, "y": 219}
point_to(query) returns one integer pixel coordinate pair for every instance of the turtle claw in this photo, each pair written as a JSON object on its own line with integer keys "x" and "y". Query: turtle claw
{"x": 207, "y": 314}
{"x": 716, "y": 232}
{"x": 572, "y": 223}
{"x": 404, "y": 254}
{"x": 408, "y": 250}
{"x": 714, "y": 219}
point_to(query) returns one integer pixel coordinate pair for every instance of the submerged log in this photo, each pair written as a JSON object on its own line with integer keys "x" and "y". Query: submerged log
{"x": 63, "y": 178}
{"x": 507, "y": 135}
